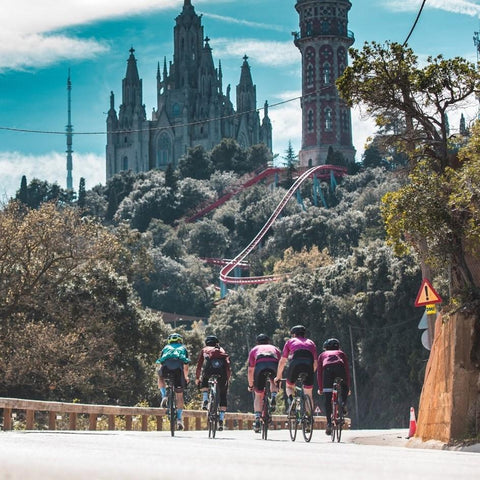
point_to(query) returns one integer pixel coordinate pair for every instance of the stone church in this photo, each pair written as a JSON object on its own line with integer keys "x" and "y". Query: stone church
{"x": 192, "y": 107}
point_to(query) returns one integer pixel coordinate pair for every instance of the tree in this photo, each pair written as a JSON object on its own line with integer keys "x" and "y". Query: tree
{"x": 388, "y": 80}
{"x": 81, "y": 194}
{"x": 291, "y": 162}
{"x": 195, "y": 164}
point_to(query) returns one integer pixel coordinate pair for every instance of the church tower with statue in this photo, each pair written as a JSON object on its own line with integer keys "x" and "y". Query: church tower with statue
{"x": 323, "y": 41}
{"x": 192, "y": 107}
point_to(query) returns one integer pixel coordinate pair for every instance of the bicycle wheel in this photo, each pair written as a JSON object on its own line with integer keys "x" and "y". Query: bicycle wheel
{"x": 292, "y": 420}
{"x": 307, "y": 419}
{"x": 212, "y": 413}
{"x": 340, "y": 421}
{"x": 266, "y": 411}
{"x": 334, "y": 419}
{"x": 172, "y": 410}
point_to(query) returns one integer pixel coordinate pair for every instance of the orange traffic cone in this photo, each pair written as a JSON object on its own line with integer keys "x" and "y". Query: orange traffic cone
{"x": 413, "y": 423}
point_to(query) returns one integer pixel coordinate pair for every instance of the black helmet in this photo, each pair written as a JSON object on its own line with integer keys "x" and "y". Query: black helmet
{"x": 211, "y": 341}
{"x": 262, "y": 338}
{"x": 331, "y": 344}
{"x": 298, "y": 330}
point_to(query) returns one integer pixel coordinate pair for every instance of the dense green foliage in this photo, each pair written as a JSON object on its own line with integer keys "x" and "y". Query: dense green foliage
{"x": 343, "y": 281}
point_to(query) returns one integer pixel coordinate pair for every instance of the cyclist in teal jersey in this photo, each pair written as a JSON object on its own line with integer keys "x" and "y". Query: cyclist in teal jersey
{"x": 174, "y": 362}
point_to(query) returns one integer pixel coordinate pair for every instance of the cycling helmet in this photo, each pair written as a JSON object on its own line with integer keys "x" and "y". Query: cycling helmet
{"x": 211, "y": 341}
{"x": 262, "y": 338}
{"x": 331, "y": 344}
{"x": 175, "y": 338}
{"x": 298, "y": 330}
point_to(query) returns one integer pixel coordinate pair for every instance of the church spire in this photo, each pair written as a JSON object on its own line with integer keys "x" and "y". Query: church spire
{"x": 246, "y": 90}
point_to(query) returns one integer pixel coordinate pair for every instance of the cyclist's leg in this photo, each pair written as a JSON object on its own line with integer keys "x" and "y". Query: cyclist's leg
{"x": 179, "y": 385}
{"x": 258, "y": 390}
{"x": 204, "y": 389}
{"x": 308, "y": 382}
{"x": 162, "y": 371}
{"x": 223, "y": 390}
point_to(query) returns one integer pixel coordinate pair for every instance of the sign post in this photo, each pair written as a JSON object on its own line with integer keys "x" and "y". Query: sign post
{"x": 427, "y": 297}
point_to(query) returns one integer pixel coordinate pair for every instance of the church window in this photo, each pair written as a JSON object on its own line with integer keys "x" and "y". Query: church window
{"x": 125, "y": 163}
{"x": 344, "y": 120}
{"x": 328, "y": 119}
{"x": 309, "y": 29}
{"x": 310, "y": 121}
{"x": 176, "y": 109}
{"x": 327, "y": 73}
{"x": 325, "y": 26}
{"x": 310, "y": 75}
{"x": 164, "y": 152}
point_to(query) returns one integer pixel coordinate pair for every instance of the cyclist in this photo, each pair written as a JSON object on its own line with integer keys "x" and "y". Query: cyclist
{"x": 214, "y": 360}
{"x": 174, "y": 361}
{"x": 262, "y": 359}
{"x": 301, "y": 354}
{"x": 333, "y": 363}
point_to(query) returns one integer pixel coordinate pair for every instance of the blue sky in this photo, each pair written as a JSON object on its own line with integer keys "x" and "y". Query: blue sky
{"x": 40, "y": 40}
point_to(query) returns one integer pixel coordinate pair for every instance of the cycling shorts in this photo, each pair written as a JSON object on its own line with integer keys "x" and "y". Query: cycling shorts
{"x": 297, "y": 366}
{"x": 176, "y": 373}
{"x": 259, "y": 374}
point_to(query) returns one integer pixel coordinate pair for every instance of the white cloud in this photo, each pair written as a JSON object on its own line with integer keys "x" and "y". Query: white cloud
{"x": 246, "y": 23}
{"x": 261, "y": 51}
{"x": 50, "y": 167}
{"x": 465, "y": 7}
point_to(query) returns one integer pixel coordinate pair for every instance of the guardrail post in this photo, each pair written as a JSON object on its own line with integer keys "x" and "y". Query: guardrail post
{"x": 159, "y": 423}
{"x": 52, "y": 420}
{"x": 111, "y": 422}
{"x": 72, "y": 421}
{"x": 128, "y": 422}
{"x": 92, "y": 421}
{"x": 144, "y": 423}
{"x": 30, "y": 419}
{"x": 7, "y": 418}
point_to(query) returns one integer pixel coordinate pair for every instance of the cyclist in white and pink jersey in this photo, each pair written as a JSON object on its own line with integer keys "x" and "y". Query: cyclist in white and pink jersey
{"x": 262, "y": 359}
{"x": 301, "y": 354}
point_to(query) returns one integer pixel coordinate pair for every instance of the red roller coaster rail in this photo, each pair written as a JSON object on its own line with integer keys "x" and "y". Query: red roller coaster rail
{"x": 321, "y": 171}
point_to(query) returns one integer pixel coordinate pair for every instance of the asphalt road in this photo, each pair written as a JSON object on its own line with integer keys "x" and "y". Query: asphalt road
{"x": 232, "y": 455}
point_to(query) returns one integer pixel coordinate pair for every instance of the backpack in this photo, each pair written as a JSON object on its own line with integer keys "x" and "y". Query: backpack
{"x": 216, "y": 359}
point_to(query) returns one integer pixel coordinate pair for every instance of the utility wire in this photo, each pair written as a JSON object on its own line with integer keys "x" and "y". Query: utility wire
{"x": 415, "y": 23}
{"x": 207, "y": 120}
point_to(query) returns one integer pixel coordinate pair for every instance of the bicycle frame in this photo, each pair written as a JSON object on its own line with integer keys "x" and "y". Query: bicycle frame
{"x": 266, "y": 415}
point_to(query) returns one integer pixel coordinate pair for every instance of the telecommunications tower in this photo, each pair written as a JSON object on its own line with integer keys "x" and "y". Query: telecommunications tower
{"x": 69, "y": 133}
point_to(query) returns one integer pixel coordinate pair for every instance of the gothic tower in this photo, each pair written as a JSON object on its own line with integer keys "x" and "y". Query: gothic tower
{"x": 323, "y": 41}
{"x": 192, "y": 109}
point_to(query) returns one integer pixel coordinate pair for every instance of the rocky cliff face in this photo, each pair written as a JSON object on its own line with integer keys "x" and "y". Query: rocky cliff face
{"x": 450, "y": 401}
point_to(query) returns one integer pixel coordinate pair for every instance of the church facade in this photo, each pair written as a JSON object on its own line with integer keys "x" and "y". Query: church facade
{"x": 192, "y": 107}
{"x": 323, "y": 41}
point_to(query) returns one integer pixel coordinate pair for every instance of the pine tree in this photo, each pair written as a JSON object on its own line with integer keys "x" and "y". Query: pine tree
{"x": 81, "y": 193}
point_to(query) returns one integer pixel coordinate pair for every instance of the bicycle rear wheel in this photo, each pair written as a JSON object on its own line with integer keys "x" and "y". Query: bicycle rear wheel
{"x": 266, "y": 411}
{"x": 212, "y": 413}
{"x": 307, "y": 419}
{"x": 292, "y": 420}
{"x": 340, "y": 421}
{"x": 172, "y": 410}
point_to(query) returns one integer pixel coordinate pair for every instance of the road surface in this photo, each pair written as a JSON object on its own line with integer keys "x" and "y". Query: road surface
{"x": 121, "y": 455}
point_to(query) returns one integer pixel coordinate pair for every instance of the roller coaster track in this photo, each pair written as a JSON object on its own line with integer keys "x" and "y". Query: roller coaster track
{"x": 225, "y": 271}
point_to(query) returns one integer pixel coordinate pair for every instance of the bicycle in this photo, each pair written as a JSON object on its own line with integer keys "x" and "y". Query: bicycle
{"x": 338, "y": 419}
{"x": 300, "y": 411}
{"x": 212, "y": 408}
{"x": 171, "y": 402}
{"x": 266, "y": 414}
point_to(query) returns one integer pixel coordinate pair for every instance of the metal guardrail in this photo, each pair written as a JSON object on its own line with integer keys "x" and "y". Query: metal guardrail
{"x": 193, "y": 419}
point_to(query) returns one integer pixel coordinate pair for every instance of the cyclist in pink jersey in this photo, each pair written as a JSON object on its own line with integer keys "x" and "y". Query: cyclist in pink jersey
{"x": 301, "y": 354}
{"x": 262, "y": 359}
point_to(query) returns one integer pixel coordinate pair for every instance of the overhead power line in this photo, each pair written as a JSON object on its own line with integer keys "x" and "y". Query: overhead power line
{"x": 415, "y": 23}
{"x": 207, "y": 120}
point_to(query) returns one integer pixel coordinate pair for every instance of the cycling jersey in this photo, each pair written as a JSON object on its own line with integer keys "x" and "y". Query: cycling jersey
{"x": 299, "y": 343}
{"x": 263, "y": 353}
{"x": 334, "y": 361}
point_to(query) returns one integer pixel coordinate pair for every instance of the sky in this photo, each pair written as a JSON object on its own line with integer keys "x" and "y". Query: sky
{"x": 42, "y": 40}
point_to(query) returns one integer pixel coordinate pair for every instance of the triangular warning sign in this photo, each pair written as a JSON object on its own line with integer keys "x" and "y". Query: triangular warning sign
{"x": 427, "y": 295}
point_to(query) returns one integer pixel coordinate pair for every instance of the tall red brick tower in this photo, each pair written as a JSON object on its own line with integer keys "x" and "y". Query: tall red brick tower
{"x": 323, "y": 41}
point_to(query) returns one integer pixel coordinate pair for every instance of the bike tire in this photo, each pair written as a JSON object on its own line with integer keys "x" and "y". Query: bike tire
{"x": 334, "y": 419}
{"x": 266, "y": 411}
{"x": 340, "y": 421}
{"x": 212, "y": 414}
{"x": 172, "y": 411}
{"x": 292, "y": 420}
{"x": 307, "y": 419}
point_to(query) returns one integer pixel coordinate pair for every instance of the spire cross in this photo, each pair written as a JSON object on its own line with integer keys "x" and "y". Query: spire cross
{"x": 245, "y": 58}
